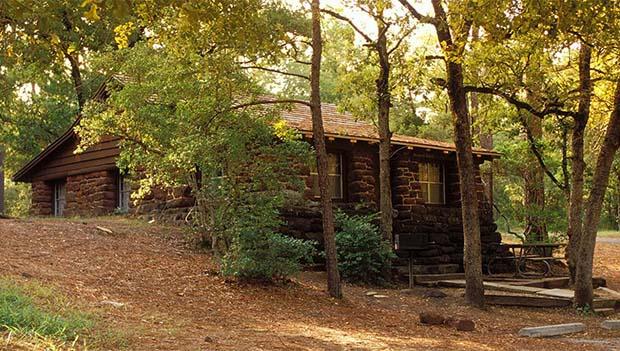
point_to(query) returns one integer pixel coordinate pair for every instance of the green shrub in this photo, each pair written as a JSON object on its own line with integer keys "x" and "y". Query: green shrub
{"x": 266, "y": 256}
{"x": 363, "y": 256}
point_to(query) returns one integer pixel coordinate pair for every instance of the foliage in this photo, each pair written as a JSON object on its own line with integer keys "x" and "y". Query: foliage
{"x": 266, "y": 256}
{"x": 17, "y": 199}
{"x": 44, "y": 78}
{"x": 172, "y": 99}
{"x": 363, "y": 256}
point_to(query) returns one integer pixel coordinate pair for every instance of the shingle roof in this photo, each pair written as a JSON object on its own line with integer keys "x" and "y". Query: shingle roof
{"x": 345, "y": 125}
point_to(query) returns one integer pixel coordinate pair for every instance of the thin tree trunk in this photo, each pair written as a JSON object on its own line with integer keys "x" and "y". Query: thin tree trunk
{"x": 617, "y": 205}
{"x": 333, "y": 277}
{"x": 74, "y": 62}
{"x": 575, "y": 211}
{"x": 76, "y": 76}
{"x": 2, "y": 209}
{"x": 583, "y": 277}
{"x": 472, "y": 260}
{"x": 484, "y": 138}
{"x": 534, "y": 179}
{"x": 385, "y": 135}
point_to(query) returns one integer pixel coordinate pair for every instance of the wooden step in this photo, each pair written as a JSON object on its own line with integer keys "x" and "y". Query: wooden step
{"x": 604, "y": 303}
{"x": 492, "y": 286}
{"x": 525, "y": 300}
{"x": 436, "y": 277}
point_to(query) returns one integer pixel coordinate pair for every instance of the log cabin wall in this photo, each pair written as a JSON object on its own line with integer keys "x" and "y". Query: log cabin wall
{"x": 64, "y": 162}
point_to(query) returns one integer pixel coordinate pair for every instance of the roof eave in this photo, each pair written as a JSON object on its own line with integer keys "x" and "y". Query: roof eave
{"x": 489, "y": 153}
{"x": 22, "y": 174}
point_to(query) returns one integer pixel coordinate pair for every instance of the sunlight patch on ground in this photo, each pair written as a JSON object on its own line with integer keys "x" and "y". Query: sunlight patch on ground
{"x": 365, "y": 340}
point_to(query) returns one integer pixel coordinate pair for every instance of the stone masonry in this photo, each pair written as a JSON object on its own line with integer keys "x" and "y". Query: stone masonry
{"x": 91, "y": 194}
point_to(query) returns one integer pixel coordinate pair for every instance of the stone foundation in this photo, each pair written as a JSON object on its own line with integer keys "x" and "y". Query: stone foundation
{"x": 91, "y": 194}
{"x": 171, "y": 206}
{"x": 42, "y": 195}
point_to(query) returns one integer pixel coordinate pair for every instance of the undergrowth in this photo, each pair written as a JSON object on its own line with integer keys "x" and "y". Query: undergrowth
{"x": 36, "y": 317}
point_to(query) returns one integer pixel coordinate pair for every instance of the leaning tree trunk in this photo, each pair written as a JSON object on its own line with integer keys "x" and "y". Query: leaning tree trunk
{"x": 385, "y": 135}
{"x": 583, "y": 278}
{"x": 472, "y": 259}
{"x": 534, "y": 179}
{"x": 331, "y": 262}
{"x": 575, "y": 211}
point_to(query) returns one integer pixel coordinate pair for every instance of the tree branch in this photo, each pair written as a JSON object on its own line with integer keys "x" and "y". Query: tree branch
{"x": 270, "y": 102}
{"x": 416, "y": 14}
{"x": 435, "y": 57}
{"x": 276, "y": 71}
{"x": 348, "y": 20}
{"x": 522, "y": 105}
{"x": 538, "y": 154}
{"x": 400, "y": 40}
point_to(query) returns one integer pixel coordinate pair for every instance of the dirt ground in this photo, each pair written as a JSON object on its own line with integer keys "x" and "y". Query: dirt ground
{"x": 174, "y": 300}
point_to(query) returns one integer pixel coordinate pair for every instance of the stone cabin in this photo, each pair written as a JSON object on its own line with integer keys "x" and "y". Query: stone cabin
{"x": 425, "y": 186}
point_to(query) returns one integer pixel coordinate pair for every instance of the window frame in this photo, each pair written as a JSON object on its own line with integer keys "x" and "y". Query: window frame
{"x": 427, "y": 183}
{"x": 123, "y": 189}
{"x": 314, "y": 173}
{"x": 59, "y": 197}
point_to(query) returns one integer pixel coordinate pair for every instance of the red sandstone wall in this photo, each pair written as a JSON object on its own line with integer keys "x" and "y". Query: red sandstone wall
{"x": 440, "y": 226}
{"x": 167, "y": 206}
{"x": 91, "y": 194}
{"x": 41, "y": 199}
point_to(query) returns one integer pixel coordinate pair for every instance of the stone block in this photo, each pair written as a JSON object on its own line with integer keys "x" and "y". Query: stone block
{"x": 611, "y": 324}
{"x": 552, "y": 330}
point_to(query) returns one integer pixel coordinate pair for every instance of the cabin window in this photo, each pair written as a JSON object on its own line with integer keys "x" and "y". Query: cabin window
{"x": 334, "y": 172}
{"x": 124, "y": 193}
{"x": 60, "y": 198}
{"x": 432, "y": 183}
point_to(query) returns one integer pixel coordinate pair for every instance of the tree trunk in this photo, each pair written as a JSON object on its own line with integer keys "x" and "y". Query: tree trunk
{"x": 617, "y": 204}
{"x": 485, "y": 139}
{"x": 385, "y": 135}
{"x": 74, "y": 62}
{"x": 575, "y": 211}
{"x": 534, "y": 179}
{"x": 472, "y": 260}
{"x": 486, "y": 142}
{"x": 331, "y": 262}
{"x": 2, "y": 209}
{"x": 583, "y": 277}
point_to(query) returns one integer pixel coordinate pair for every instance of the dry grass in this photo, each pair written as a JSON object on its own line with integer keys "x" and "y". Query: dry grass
{"x": 175, "y": 301}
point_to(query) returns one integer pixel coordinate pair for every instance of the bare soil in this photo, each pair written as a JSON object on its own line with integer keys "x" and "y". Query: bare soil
{"x": 175, "y": 300}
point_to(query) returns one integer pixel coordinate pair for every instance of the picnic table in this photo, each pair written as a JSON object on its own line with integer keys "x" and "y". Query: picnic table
{"x": 528, "y": 252}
